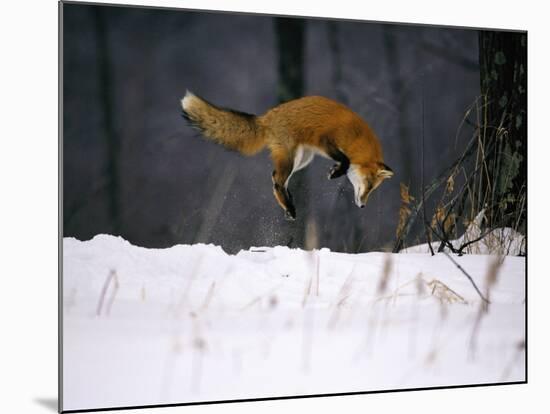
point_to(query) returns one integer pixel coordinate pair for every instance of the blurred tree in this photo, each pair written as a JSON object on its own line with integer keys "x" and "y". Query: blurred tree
{"x": 342, "y": 224}
{"x": 333, "y": 32}
{"x": 112, "y": 142}
{"x": 402, "y": 102}
{"x": 290, "y": 85}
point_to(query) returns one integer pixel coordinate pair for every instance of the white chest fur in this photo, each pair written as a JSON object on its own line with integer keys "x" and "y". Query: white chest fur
{"x": 357, "y": 181}
{"x": 303, "y": 157}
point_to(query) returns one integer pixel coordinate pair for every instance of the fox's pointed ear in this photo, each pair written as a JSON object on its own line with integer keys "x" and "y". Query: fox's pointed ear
{"x": 384, "y": 171}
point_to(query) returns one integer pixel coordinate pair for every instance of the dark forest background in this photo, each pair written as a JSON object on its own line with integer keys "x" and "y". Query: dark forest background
{"x": 133, "y": 167}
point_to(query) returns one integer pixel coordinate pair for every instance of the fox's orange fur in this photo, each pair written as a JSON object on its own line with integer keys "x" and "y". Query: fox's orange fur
{"x": 294, "y": 132}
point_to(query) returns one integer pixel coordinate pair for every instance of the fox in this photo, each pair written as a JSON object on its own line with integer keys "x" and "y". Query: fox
{"x": 295, "y": 132}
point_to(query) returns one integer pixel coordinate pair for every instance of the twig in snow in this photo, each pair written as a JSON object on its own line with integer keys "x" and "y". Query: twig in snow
{"x": 374, "y": 319}
{"x": 343, "y": 295}
{"x": 420, "y": 291}
{"x": 113, "y": 294}
{"x": 386, "y": 270}
{"x": 313, "y": 282}
{"x": 254, "y": 301}
{"x": 475, "y": 331}
{"x": 110, "y": 276}
{"x": 199, "y": 345}
{"x": 191, "y": 278}
{"x": 467, "y": 275}
{"x": 307, "y": 291}
{"x": 519, "y": 350}
{"x": 208, "y": 297}
{"x": 490, "y": 280}
{"x": 307, "y": 339}
{"x": 317, "y": 261}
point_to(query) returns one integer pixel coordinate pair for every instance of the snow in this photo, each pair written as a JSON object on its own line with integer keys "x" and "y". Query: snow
{"x": 192, "y": 323}
{"x": 499, "y": 241}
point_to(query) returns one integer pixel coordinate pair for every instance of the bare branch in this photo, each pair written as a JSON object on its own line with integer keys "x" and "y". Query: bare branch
{"x": 468, "y": 276}
{"x": 463, "y": 246}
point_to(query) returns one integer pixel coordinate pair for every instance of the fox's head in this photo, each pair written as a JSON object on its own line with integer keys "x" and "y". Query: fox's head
{"x": 365, "y": 178}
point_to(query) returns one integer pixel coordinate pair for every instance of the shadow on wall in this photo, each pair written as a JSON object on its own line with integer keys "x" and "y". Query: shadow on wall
{"x": 49, "y": 403}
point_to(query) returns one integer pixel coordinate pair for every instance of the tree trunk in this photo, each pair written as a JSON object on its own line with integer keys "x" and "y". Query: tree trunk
{"x": 503, "y": 76}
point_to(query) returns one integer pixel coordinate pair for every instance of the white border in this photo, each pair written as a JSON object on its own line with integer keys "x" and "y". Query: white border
{"x": 28, "y": 170}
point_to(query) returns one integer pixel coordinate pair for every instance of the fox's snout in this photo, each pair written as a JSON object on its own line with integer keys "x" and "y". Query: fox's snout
{"x": 362, "y": 201}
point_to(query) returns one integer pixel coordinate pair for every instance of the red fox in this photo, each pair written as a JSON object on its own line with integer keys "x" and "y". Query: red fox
{"x": 295, "y": 132}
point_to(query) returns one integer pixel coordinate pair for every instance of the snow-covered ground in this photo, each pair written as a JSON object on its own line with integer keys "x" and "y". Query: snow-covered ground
{"x": 500, "y": 241}
{"x": 192, "y": 323}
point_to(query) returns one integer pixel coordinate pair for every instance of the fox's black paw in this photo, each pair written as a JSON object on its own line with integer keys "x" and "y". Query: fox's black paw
{"x": 290, "y": 215}
{"x": 335, "y": 172}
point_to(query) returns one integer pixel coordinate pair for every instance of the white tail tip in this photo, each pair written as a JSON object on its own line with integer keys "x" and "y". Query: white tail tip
{"x": 186, "y": 100}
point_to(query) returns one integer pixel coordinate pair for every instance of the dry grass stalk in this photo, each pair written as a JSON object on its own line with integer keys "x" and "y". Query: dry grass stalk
{"x": 490, "y": 280}
{"x": 307, "y": 339}
{"x": 307, "y": 291}
{"x": 475, "y": 330}
{"x": 312, "y": 285}
{"x": 312, "y": 234}
{"x": 317, "y": 275}
{"x": 208, "y": 297}
{"x": 384, "y": 279}
{"x": 256, "y": 301}
{"x": 492, "y": 275}
{"x": 70, "y": 301}
{"x": 341, "y": 298}
{"x": 273, "y": 301}
{"x": 192, "y": 275}
{"x": 110, "y": 277}
{"x": 113, "y": 294}
{"x": 270, "y": 294}
{"x": 199, "y": 346}
{"x": 419, "y": 283}
{"x": 443, "y": 220}
{"x": 444, "y": 293}
{"x": 450, "y": 186}
{"x": 404, "y": 210}
{"x": 519, "y": 349}
{"x": 374, "y": 319}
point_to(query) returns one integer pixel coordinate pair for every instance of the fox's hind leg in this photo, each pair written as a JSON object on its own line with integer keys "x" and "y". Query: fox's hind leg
{"x": 283, "y": 162}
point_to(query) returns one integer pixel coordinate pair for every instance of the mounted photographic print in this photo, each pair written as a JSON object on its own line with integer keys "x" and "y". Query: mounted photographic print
{"x": 258, "y": 207}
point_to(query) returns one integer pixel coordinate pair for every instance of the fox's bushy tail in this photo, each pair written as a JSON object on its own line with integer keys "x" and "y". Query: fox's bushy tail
{"x": 234, "y": 130}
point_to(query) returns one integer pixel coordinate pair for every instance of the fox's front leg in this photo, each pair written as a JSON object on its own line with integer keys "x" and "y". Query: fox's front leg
{"x": 342, "y": 161}
{"x": 283, "y": 164}
{"x": 337, "y": 170}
